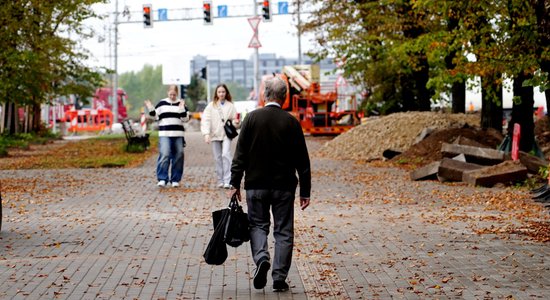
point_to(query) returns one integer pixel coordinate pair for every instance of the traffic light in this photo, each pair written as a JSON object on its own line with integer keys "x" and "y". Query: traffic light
{"x": 203, "y": 73}
{"x": 207, "y": 10}
{"x": 266, "y": 11}
{"x": 147, "y": 19}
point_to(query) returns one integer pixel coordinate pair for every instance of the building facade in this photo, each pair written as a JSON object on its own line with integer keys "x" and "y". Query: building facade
{"x": 241, "y": 71}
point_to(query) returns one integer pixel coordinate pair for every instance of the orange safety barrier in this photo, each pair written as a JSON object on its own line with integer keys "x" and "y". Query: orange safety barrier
{"x": 88, "y": 119}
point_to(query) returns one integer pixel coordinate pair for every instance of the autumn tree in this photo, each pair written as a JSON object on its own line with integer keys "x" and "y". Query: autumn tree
{"x": 402, "y": 51}
{"x": 41, "y": 56}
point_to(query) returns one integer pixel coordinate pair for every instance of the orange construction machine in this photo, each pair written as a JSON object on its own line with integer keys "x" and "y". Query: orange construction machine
{"x": 319, "y": 113}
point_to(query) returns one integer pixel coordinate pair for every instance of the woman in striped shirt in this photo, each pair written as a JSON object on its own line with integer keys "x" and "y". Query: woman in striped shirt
{"x": 171, "y": 113}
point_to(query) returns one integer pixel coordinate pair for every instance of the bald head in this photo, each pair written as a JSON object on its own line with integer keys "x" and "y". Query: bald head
{"x": 275, "y": 90}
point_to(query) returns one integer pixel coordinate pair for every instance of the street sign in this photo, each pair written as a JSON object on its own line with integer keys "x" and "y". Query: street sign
{"x": 222, "y": 11}
{"x": 254, "y": 22}
{"x": 255, "y": 41}
{"x": 163, "y": 14}
{"x": 283, "y": 8}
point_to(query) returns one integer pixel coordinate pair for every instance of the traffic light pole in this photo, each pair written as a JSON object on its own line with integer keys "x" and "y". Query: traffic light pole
{"x": 256, "y": 62}
{"x": 208, "y": 99}
{"x": 299, "y": 34}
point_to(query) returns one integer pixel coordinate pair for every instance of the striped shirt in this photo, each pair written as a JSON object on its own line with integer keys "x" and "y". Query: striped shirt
{"x": 170, "y": 117}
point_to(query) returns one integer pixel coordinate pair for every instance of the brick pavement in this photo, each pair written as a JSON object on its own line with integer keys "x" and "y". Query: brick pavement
{"x": 369, "y": 234}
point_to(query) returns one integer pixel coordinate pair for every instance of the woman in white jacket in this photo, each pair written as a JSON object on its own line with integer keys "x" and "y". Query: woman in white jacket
{"x": 213, "y": 118}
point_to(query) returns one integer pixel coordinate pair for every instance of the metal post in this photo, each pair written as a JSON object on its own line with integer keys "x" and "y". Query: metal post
{"x": 256, "y": 60}
{"x": 299, "y": 34}
{"x": 115, "y": 74}
{"x": 208, "y": 99}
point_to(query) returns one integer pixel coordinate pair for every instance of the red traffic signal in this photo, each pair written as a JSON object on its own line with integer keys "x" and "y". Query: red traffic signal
{"x": 266, "y": 11}
{"x": 147, "y": 17}
{"x": 207, "y": 11}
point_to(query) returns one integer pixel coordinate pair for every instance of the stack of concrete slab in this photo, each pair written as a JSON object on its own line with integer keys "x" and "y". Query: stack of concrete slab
{"x": 468, "y": 161}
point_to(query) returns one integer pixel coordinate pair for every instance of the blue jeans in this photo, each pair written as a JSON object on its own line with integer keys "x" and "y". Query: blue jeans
{"x": 170, "y": 157}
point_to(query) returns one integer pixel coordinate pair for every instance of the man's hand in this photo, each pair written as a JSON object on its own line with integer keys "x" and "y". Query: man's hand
{"x": 304, "y": 202}
{"x": 234, "y": 191}
{"x": 207, "y": 139}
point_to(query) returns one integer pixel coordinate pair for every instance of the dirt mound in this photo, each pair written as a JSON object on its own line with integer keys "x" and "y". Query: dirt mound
{"x": 399, "y": 132}
{"x": 396, "y": 131}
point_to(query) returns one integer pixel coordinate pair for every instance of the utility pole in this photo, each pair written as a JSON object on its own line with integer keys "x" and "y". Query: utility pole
{"x": 299, "y": 34}
{"x": 115, "y": 74}
{"x": 256, "y": 60}
{"x": 208, "y": 99}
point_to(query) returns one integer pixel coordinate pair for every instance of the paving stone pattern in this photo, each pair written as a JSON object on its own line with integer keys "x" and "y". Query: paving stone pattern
{"x": 113, "y": 234}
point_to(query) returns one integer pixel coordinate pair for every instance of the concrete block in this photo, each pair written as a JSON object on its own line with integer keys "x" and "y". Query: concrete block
{"x": 506, "y": 173}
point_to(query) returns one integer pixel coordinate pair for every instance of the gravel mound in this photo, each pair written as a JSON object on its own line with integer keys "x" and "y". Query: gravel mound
{"x": 397, "y": 131}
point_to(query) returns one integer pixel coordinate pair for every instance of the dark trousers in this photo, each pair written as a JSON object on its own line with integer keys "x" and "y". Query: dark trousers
{"x": 281, "y": 203}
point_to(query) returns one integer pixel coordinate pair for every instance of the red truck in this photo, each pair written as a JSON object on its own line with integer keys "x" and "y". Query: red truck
{"x": 101, "y": 101}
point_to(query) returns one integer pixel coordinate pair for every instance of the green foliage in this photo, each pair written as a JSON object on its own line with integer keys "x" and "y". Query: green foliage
{"x": 238, "y": 92}
{"x": 387, "y": 46}
{"x": 24, "y": 140}
{"x": 196, "y": 91}
{"x": 142, "y": 85}
{"x": 543, "y": 172}
{"x": 147, "y": 84}
{"x": 135, "y": 148}
{"x": 41, "y": 55}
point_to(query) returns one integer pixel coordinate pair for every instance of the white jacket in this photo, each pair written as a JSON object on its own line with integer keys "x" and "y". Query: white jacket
{"x": 211, "y": 120}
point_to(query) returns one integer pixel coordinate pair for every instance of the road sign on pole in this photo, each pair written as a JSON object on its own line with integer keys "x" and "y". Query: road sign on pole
{"x": 283, "y": 7}
{"x": 222, "y": 11}
{"x": 255, "y": 41}
{"x": 163, "y": 14}
{"x": 254, "y": 22}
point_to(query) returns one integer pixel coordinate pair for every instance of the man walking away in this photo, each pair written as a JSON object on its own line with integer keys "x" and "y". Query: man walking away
{"x": 271, "y": 149}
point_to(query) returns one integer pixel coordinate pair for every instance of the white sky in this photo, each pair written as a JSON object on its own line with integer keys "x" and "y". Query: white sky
{"x": 171, "y": 41}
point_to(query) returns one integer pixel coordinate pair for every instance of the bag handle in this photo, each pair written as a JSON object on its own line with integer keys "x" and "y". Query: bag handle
{"x": 234, "y": 202}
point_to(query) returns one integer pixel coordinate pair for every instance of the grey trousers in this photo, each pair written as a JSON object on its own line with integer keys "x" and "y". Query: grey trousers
{"x": 222, "y": 158}
{"x": 281, "y": 203}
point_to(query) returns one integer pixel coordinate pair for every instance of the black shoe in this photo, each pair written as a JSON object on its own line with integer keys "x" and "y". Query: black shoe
{"x": 280, "y": 286}
{"x": 260, "y": 276}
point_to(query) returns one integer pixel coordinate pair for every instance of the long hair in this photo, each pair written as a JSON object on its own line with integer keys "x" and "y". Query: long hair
{"x": 227, "y": 93}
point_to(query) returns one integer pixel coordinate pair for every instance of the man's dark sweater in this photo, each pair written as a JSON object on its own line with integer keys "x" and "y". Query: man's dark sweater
{"x": 270, "y": 150}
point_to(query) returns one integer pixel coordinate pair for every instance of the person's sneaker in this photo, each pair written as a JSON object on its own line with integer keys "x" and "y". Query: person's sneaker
{"x": 280, "y": 286}
{"x": 227, "y": 186}
{"x": 161, "y": 183}
{"x": 175, "y": 184}
{"x": 260, "y": 276}
{"x": 220, "y": 185}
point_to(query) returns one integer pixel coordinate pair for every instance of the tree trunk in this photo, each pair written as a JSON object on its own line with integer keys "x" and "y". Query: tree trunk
{"x": 424, "y": 94}
{"x": 416, "y": 96}
{"x": 458, "y": 89}
{"x": 491, "y": 103}
{"x": 522, "y": 113}
{"x": 36, "y": 118}
{"x": 3, "y": 118}
{"x": 12, "y": 118}
{"x": 458, "y": 92}
{"x": 26, "y": 119}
